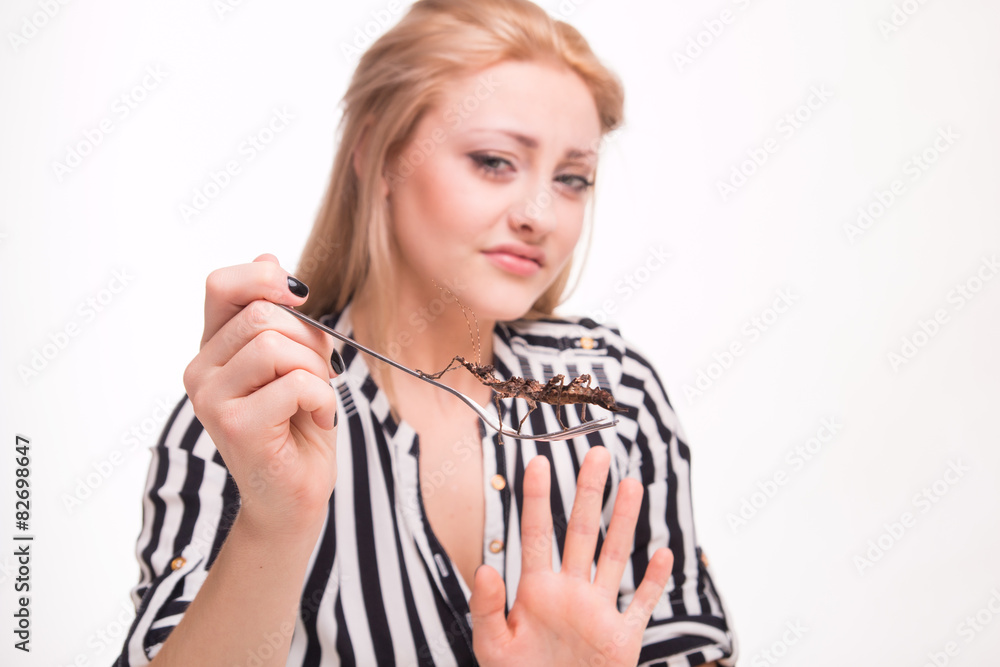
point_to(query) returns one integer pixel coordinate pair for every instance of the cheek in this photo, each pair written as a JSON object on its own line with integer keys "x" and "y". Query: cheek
{"x": 417, "y": 211}
{"x": 443, "y": 202}
{"x": 569, "y": 235}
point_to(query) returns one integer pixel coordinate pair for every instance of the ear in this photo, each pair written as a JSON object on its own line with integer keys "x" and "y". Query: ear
{"x": 357, "y": 158}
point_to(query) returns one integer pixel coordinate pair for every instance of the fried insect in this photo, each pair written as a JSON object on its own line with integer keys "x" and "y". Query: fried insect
{"x": 554, "y": 392}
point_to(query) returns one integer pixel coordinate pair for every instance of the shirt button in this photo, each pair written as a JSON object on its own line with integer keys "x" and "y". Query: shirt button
{"x": 177, "y": 563}
{"x": 587, "y": 343}
{"x": 498, "y": 482}
{"x": 496, "y": 546}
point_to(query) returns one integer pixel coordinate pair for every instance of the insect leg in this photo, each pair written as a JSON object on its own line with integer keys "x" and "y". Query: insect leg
{"x": 559, "y": 407}
{"x": 496, "y": 402}
{"x": 437, "y": 375}
{"x": 531, "y": 408}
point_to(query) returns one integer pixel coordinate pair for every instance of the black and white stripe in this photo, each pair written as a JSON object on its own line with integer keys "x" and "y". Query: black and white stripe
{"x": 379, "y": 588}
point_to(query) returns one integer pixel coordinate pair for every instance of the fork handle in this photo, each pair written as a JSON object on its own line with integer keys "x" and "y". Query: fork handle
{"x": 350, "y": 341}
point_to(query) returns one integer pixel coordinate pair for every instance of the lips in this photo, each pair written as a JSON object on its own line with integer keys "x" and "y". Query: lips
{"x": 518, "y": 259}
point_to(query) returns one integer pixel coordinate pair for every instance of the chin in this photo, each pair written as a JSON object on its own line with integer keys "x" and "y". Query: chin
{"x": 503, "y": 304}
{"x": 513, "y": 314}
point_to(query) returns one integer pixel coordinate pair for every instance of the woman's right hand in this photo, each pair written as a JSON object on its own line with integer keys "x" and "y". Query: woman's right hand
{"x": 260, "y": 387}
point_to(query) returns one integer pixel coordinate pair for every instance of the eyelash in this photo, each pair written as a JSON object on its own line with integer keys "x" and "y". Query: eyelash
{"x": 482, "y": 161}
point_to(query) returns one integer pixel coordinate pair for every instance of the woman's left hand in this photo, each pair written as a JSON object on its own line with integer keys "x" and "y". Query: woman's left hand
{"x": 565, "y": 618}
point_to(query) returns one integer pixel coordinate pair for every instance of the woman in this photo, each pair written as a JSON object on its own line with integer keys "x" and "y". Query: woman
{"x": 378, "y": 521}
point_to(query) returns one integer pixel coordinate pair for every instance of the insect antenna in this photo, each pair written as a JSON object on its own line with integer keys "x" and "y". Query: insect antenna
{"x": 474, "y": 339}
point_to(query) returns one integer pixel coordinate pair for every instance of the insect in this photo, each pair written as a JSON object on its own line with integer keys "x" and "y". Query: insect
{"x": 554, "y": 392}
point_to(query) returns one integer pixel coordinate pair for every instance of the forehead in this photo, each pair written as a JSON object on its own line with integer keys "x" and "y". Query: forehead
{"x": 541, "y": 100}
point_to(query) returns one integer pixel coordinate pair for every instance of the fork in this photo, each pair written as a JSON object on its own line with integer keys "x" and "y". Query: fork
{"x": 565, "y": 434}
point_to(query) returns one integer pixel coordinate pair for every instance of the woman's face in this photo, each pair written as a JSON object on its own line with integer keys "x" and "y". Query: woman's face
{"x": 488, "y": 197}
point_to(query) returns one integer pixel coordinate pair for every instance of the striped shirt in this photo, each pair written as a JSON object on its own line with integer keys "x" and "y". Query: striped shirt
{"x": 379, "y": 588}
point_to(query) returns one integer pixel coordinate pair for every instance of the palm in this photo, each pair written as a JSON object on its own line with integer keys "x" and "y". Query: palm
{"x": 566, "y": 620}
{"x": 568, "y": 617}
{"x": 296, "y": 467}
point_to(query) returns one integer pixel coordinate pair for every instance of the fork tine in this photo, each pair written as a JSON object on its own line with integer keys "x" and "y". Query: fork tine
{"x": 582, "y": 429}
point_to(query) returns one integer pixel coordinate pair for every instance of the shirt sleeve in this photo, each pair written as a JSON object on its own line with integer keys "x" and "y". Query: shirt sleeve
{"x": 690, "y": 625}
{"x": 188, "y": 507}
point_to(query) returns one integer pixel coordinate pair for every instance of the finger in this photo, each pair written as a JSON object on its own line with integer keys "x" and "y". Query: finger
{"x": 229, "y": 290}
{"x": 272, "y": 405}
{"x": 650, "y": 590}
{"x": 486, "y": 606}
{"x": 536, "y": 523}
{"x": 264, "y": 359}
{"x": 617, "y": 547}
{"x": 585, "y": 519}
{"x": 250, "y": 322}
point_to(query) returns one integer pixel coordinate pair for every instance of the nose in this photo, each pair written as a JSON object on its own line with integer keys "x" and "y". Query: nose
{"x": 535, "y": 217}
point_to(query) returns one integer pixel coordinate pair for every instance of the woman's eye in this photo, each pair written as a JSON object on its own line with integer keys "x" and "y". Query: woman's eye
{"x": 494, "y": 165}
{"x": 578, "y": 183}
{"x": 491, "y": 164}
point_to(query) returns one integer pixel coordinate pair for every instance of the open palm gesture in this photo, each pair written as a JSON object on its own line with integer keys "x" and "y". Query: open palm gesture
{"x": 565, "y": 617}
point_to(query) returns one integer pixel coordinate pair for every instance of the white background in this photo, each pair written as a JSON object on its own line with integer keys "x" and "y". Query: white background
{"x": 688, "y": 126}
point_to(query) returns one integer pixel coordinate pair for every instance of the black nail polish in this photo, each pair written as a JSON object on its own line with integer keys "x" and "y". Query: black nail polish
{"x": 297, "y": 288}
{"x": 337, "y": 362}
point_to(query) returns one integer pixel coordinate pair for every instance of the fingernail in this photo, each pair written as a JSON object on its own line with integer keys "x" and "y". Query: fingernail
{"x": 337, "y": 362}
{"x": 297, "y": 287}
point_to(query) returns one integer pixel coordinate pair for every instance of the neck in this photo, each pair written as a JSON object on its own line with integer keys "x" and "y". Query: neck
{"x": 426, "y": 330}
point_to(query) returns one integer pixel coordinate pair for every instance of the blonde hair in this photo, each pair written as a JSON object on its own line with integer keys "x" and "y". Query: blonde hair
{"x": 400, "y": 77}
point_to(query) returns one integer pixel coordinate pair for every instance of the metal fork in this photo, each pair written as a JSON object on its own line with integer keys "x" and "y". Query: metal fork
{"x": 565, "y": 434}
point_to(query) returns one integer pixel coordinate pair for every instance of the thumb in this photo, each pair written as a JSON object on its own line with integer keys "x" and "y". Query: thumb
{"x": 486, "y": 606}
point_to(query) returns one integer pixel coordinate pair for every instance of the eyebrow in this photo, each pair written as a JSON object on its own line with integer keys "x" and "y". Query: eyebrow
{"x": 532, "y": 143}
